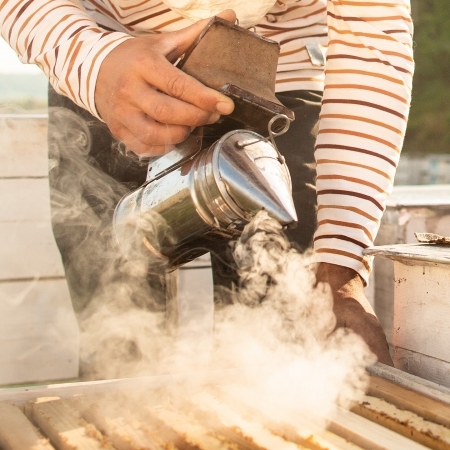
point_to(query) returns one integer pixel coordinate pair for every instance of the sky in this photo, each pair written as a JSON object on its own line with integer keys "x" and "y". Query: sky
{"x": 9, "y": 62}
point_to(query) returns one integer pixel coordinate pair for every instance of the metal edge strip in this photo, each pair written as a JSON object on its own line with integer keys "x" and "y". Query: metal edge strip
{"x": 413, "y": 382}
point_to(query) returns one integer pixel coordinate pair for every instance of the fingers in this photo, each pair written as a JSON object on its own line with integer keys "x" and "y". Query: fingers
{"x": 140, "y": 148}
{"x": 151, "y": 119}
{"x": 178, "y": 85}
{"x": 149, "y": 104}
{"x": 169, "y": 110}
{"x": 228, "y": 14}
{"x": 145, "y": 136}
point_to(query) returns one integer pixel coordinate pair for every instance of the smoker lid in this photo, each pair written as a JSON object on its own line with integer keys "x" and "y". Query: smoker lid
{"x": 420, "y": 196}
{"x": 412, "y": 254}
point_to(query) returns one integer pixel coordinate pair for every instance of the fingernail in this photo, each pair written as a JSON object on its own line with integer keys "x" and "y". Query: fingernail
{"x": 224, "y": 107}
{"x": 213, "y": 118}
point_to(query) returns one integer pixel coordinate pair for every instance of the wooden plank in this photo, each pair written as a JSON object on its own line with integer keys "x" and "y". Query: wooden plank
{"x": 143, "y": 419}
{"x": 194, "y": 432}
{"x": 423, "y": 366}
{"x": 404, "y": 398}
{"x": 317, "y": 440}
{"x": 66, "y": 429}
{"x": 24, "y": 200}
{"x": 304, "y": 432}
{"x": 64, "y": 390}
{"x": 121, "y": 427}
{"x": 422, "y": 309}
{"x": 422, "y": 254}
{"x": 195, "y": 282}
{"x": 244, "y": 426}
{"x": 29, "y": 251}
{"x": 23, "y": 147}
{"x": 17, "y": 432}
{"x": 412, "y": 382}
{"x": 384, "y": 295}
{"x": 209, "y": 417}
{"x": 37, "y": 305}
{"x": 367, "y": 434}
{"x": 404, "y": 422}
{"x": 190, "y": 310}
{"x": 39, "y": 335}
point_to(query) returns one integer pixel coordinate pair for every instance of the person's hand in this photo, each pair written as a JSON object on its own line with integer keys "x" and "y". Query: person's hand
{"x": 149, "y": 104}
{"x": 352, "y": 309}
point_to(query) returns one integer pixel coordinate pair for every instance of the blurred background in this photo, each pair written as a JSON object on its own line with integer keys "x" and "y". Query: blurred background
{"x": 23, "y": 87}
{"x": 426, "y": 153}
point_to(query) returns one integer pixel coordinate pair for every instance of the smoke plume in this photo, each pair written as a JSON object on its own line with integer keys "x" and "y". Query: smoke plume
{"x": 280, "y": 330}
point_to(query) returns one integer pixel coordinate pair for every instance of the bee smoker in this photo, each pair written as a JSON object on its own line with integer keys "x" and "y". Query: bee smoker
{"x": 207, "y": 189}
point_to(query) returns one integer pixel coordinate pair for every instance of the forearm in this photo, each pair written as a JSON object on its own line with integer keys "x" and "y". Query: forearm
{"x": 363, "y": 122}
{"x": 61, "y": 38}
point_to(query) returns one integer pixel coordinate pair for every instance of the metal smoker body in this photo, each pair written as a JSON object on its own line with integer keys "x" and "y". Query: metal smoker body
{"x": 204, "y": 192}
{"x": 193, "y": 203}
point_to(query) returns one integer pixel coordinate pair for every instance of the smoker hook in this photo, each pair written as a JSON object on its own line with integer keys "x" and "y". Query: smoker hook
{"x": 273, "y": 134}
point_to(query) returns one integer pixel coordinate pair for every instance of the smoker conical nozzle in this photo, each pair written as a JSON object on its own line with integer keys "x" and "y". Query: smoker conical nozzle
{"x": 254, "y": 177}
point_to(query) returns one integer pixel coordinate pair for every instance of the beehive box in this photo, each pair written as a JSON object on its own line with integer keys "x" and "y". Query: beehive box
{"x": 39, "y": 338}
{"x": 410, "y": 209}
{"x": 421, "y": 308}
{"x": 38, "y": 331}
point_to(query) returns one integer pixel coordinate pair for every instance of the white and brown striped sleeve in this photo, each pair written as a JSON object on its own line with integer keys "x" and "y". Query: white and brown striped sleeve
{"x": 366, "y": 102}
{"x": 63, "y": 40}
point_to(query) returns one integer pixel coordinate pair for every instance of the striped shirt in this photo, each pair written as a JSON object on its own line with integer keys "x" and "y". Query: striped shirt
{"x": 366, "y": 82}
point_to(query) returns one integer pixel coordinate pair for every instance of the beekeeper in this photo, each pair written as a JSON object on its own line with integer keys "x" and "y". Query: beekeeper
{"x": 345, "y": 69}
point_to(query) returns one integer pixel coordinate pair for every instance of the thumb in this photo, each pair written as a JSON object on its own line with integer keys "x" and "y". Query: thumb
{"x": 183, "y": 39}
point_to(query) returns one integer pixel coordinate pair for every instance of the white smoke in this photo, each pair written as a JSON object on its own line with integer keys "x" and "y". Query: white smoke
{"x": 279, "y": 331}
{"x": 284, "y": 323}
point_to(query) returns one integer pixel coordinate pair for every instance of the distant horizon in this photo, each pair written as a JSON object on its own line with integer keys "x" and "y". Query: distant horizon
{"x": 23, "y": 88}
{"x": 10, "y": 64}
